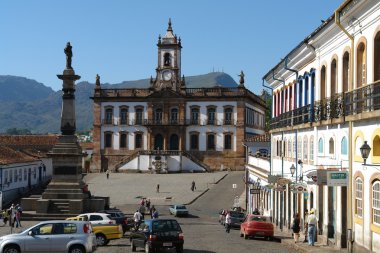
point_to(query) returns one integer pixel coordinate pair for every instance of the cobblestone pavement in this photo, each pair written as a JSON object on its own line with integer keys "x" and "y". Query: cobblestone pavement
{"x": 126, "y": 189}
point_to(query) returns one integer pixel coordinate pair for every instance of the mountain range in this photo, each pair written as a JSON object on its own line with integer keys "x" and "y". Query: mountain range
{"x": 28, "y": 104}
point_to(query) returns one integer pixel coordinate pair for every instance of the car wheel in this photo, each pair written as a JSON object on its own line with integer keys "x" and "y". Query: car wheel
{"x": 100, "y": 240}
{"x": 133, "y": 247}
{"x": 147, "y": 248}
{"x": 77, "y": 249}
{"x": 179, "y": 249}
{"x": 11, "y": 249}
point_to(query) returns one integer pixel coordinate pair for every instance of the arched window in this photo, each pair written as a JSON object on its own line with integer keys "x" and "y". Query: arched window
{"x": 358, "y": 144}
{"x": 305, "y": 148}
{"x": 344, "y": 146}
{"x": 333, "y": 78}
{"x": 361, "y": 65}
{"x": 323, "y": 82}
{"x": 194, "y": 141}
{"x": 210, "y": 141}
{"x": 138, "y": 140}
{"x": 167, "y": 59}
{"x": 174, "y": 142}
{"x": 311, "y": 148}
{"x": 320, "y": 146}
{"x": 376, "y": 57}
{"x": 285, "y": 149}
{"x": 376, "y": 202}
{"x": 123, "y": 140}
{"x": 359, "y": 197}
{"x": 294, "y": 147}
{"x": 331, "y": 146}
{"x": 346, "y": 67}
{"x": 376, "y": 146}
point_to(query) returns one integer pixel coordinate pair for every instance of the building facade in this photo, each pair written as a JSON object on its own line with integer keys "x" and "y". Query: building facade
{"x": 326, "y": 105}
{"x": 180, "y": 128}
{"x": 24, "y": 164}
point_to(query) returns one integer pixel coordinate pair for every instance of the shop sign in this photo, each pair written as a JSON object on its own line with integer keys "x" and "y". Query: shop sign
{"x": 283, "y": 181}
{"x": 254, "y": 191}
{"x": 337, "y": 178}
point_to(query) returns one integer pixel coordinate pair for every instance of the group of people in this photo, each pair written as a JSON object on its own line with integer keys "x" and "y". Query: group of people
{"x": 13, "y": 215}
{"x": 139, "y": 215}
{"x": 311, "y": 222}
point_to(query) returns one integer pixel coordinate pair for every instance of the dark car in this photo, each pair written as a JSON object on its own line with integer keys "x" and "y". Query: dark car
{"x": 237, "y": 218}
{"x": 126, "y": 222}
{"x": 156, "y": 234}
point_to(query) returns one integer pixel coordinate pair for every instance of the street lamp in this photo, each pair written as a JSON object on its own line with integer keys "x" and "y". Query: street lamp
{"x": 365, "y": 149}
{"x": 292, "y": 170}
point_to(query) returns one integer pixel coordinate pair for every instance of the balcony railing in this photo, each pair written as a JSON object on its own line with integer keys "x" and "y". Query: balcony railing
{"x": 364, "y": 99}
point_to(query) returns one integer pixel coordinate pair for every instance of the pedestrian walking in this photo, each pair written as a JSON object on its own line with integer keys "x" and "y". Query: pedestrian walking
{"x": 193, "y": 187}
{"x": 137, "y": 219}
{"x": 228, "y": 222}
{"x": 312, "y": 223}
{"x": 296, "y": 227}
{"x": 12, "y": 215}
{"x": 155, "y": 214}
{"x": 142, "y": 211}
{"x": 158, "y": 188}
{"x": 18, "y": 215}
{"x": 151, "y": 211}
{"x": 108, "y": 173}
{"x": 306, "y": 215}
{"x": 147, "y": 204}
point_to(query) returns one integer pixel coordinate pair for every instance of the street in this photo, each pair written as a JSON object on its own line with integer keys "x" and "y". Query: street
{"x": 202, "y": 231}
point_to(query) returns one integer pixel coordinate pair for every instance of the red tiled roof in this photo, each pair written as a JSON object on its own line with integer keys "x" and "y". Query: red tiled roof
{"x": 28, "y": 140}
{"x": 9, "y": 155}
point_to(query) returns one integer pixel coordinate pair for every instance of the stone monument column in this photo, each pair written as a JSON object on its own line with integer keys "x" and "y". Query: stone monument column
{"x": 67, "y": 183}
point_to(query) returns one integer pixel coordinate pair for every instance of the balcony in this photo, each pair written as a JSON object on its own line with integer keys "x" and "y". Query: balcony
{"x": 363, "y": 99}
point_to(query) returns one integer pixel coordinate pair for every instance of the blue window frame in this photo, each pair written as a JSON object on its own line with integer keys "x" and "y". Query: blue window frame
{"x": 343, "y": 145}
{"x": 320, "y": 145}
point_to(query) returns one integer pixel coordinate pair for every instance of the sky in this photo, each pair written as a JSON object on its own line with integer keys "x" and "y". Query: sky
{"x": 117, "y": 38}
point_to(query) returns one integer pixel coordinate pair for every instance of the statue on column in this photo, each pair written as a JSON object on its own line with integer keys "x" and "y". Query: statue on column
{"x": 69, "y": 55}
{"x": 241, "y": 78}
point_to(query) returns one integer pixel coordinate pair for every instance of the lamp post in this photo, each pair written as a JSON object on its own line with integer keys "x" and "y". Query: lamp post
{"x": 365, "y": 149}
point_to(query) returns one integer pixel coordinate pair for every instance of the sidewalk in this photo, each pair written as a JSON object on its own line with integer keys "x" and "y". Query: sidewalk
{"x": 287, "y": 240}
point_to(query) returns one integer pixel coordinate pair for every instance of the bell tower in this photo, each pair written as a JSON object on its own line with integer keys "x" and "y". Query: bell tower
{"x": 168, "y": 71}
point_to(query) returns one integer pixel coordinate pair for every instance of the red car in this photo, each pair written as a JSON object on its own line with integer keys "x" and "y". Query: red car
{"x": 257, "y": 225}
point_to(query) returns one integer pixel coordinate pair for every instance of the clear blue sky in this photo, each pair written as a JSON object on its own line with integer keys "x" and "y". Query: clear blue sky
{"x": 117, "y": 38}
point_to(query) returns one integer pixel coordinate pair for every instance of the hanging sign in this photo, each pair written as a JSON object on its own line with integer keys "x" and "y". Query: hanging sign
{"x": 337, "y": 178}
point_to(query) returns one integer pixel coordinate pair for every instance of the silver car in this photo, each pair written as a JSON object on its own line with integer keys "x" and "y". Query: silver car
{"x": 51, "y": 236}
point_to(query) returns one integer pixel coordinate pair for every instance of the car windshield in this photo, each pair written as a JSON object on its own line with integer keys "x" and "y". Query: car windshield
{"x": 165, "y": 225}
{"x": 181, "y": 207}
{"x": 236, "y": 214}
{"x": 259, "y": 218}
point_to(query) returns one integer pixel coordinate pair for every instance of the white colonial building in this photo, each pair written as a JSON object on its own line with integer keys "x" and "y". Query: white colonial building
{"x": 171, "y": 125}
{"x": 326, "y": 101}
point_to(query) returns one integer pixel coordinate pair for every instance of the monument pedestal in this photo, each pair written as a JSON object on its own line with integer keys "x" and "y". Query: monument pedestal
{"x": 66, "y": 193}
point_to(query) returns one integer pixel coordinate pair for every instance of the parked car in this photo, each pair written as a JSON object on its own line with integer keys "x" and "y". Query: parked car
{"x": 262, "y": 152}
{"x": 236, "y": 218}
{"x": 51, "y": 236}
{"x": 257, "y": 226}
{"x": 178, "y": 210}
{"x": 98, "y": 218}
{"x": 104, "y": 232}
{"x": 157, "y": 234}
{"x": 126, "y": 222}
